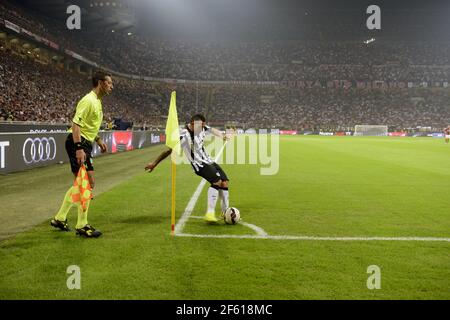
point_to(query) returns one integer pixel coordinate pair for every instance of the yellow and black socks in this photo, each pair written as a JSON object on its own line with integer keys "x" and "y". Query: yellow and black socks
{"x": 65, "y": 208}
{"x": 82, "y": 215}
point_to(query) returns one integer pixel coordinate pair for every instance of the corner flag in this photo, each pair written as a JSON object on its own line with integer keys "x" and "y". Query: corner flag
{"x": 172, "y": 130}
{"x": 173, "y": 142}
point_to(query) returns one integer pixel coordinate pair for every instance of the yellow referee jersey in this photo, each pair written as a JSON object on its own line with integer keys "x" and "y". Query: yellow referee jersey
{"x": 89, "y": 116}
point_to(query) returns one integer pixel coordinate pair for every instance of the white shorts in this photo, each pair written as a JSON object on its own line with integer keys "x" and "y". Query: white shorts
{"x": 447, "y": 136}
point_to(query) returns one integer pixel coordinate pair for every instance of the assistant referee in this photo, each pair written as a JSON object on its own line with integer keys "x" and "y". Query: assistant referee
{"x": 86, "y": 124}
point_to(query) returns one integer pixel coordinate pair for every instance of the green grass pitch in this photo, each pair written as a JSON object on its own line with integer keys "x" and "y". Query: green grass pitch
{"x": 325, "y": 187}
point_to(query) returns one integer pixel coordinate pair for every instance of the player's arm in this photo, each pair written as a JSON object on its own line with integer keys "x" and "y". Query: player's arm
{"x": 219, "y": 134}
{"x": 152, "y": 165}
{"x": 76, "y": 136}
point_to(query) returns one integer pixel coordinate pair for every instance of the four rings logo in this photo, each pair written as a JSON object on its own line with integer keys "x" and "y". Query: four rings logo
{"x": 39, "y": 149}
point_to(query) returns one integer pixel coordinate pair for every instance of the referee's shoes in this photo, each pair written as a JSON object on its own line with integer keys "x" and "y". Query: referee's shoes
{"x": 62, "y": 225}
{"x": 89, "y": 232}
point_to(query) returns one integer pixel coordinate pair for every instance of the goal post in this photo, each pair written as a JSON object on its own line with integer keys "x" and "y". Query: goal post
{"x": 371, "y": 130}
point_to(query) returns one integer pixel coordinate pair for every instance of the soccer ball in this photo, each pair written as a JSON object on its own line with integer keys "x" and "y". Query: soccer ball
{"x": 232, "y": 216}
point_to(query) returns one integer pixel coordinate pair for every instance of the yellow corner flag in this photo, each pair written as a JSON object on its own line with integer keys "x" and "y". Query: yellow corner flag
{"x": 172, "y": 130}
{"x": 173, "y": 142}
{"x": 81, "y": 190}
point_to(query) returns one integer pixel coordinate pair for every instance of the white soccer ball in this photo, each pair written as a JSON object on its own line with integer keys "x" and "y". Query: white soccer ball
{"x": 232, "y": 216}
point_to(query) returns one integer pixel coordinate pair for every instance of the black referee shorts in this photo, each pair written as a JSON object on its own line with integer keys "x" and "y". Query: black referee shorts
{"x": 212, "y": 173}
{"x": 71, "y": 152}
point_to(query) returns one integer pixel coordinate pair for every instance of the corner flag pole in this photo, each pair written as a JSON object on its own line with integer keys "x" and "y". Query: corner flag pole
{"x": 174, "y": 174}
{"x": 173, "y": 142}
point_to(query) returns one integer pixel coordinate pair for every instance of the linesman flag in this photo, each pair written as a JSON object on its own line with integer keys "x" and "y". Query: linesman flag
{"x": 173, "y": 142}
{"x": 81, "y": 189}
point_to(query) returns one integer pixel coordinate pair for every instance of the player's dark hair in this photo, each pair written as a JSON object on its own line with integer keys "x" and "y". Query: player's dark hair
{"x": 99, "y": 75}
{"x": 197, "y": 117}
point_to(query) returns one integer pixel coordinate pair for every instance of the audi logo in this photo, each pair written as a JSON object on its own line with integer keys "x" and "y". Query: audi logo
{"x": 39, "y": 149}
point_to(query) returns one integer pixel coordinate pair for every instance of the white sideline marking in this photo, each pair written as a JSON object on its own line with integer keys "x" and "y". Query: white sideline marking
{"x": 190, "y": 206}
{"x": 235, "y": 236}
{"x": 261, "y": 234}
{"x": 259, "y": 231}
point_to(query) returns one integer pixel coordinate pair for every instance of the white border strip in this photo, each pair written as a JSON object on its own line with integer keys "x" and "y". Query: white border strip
{"x": 259, "y": 231}
{"x": 189, "y": 208}
{"x": 310, "y": 238}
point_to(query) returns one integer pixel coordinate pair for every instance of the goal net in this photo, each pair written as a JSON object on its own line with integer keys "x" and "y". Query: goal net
{"x": 371, "y": 130}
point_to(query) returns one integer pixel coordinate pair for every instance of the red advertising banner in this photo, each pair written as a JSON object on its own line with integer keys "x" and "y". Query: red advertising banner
{"x": 397, "y": 134}
{"x": 122, "y": 141}
{"x": 288, "y": 132}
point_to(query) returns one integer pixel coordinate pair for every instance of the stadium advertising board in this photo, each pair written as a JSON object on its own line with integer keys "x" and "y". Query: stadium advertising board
{"x": 3, "y": 146}
{"x": 348, "y": 83}
{"x": 417, "y": 134}
{"x": 12, "y": 26}
{"x": 155, "y": 138}
{"x": 274, "y": 131}
{"x": 50, "y": 44}
{"x": 20, "y": 151}
{"x": 122, "y": 141}
{"x": 436, "y": 135}
{"x": 288, "y": 132}
{"x": 23, "y": 150}
{"x": 31, "y": 35}
{"x": 397, "y": 134}
{"x": 18, "y": 127}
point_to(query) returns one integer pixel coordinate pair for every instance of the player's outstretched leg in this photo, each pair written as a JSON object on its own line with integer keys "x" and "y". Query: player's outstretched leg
{"x": 224, "y": 197}
{"x": 213, "y": 195}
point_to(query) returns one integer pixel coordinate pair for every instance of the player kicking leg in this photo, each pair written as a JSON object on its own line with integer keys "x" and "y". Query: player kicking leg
{"x": 218, "y": 189}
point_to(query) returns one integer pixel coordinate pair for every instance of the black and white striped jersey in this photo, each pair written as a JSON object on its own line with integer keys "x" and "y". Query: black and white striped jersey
{"x": 192, "y": 145}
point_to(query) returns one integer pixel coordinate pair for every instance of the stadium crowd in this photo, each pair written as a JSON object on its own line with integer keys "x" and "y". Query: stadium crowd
{"x": 32, "y": 91}
{"x": 247, "y": 61}
{"x": 279, "y": 61}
